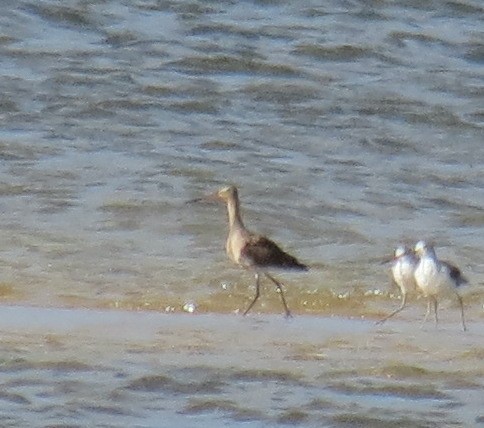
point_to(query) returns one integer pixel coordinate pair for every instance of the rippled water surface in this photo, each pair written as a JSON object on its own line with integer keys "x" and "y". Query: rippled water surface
{"x": 348, "y": 126}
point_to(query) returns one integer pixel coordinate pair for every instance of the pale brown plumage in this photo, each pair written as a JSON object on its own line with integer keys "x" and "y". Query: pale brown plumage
{"x": 252, "y": 251}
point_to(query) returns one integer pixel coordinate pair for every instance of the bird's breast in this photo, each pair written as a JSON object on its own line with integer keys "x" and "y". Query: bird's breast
{"x": 403, "y": 274}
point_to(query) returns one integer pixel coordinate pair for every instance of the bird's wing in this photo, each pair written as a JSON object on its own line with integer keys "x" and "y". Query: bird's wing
{"x": 261, "y": 251}
{"x": 455, "y": 273}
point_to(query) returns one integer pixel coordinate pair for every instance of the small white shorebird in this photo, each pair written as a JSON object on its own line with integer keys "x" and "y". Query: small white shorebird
{"x": 403, "y": 268}
{"x": 435, "y": 278}
{"x": 252, "y": 251}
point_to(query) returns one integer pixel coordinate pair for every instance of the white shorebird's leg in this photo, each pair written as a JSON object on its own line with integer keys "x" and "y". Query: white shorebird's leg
{"x": 459, "y": 299}
{"x": 257, "y": 293}
{"x": 434, "y": 301}
{"x": 396, "y": 311}
{"x": 429, "y": 306}
{"x": 279, "y": 288}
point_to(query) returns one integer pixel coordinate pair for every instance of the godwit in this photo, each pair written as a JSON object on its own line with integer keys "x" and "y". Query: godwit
{"x": 403, "y": 269}
{"x": 435, "y": 277}
{"x": 254, "y": 252}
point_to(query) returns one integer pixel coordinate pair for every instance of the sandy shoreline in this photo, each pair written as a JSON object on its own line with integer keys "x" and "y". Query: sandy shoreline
{"x": 308, "y": 370}
{"x": 228, "y": 334}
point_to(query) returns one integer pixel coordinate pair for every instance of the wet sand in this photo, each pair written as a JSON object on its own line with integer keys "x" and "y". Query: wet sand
{"x": 79, "y": 367}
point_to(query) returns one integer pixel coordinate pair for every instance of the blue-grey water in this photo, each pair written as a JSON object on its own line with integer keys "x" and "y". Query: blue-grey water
{"x": 348, "y": 126}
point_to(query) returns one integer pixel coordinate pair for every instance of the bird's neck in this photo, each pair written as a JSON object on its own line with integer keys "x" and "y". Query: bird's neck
{"x": 233, "y": 208}
{"x": 429, "y": 261}
{"x": 430, "y": 253}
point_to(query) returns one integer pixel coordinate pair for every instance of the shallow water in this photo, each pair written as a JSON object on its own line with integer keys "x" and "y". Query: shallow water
{"x": 349, "y": 127}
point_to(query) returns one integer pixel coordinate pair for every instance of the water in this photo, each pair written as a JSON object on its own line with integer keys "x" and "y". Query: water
{"x": 348, "y": 127}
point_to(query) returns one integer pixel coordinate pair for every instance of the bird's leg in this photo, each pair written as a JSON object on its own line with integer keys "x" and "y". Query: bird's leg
{"x": 434, "y": 301}
{"x": 279, "y": 288}
{"x": 396, "y": 311}
{"x": 257, "y": 293}
{"x": 429, "y": 307}
{"x": 459, "y": 299}
{"x": 431, "y": 302}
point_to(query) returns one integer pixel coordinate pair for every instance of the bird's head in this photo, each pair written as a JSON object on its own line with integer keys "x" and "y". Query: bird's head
{"x": 400, "y": 251}
{"x": 224, "y": 194}
{"x": 421, "y": 248}
{"x": 227, "y": 193}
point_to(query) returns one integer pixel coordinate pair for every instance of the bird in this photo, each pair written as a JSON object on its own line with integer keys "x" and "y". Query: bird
{"x": 252, "y": 251}
{"x": 435, "y": 277}
{"x": 403, "y": 268}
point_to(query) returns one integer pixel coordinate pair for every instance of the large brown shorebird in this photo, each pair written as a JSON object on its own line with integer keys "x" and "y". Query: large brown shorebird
{"x": 252, "y": 251}
{"x": 435, "y": 278}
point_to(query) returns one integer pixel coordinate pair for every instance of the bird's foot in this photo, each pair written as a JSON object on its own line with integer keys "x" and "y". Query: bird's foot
{"x": 288, "y": 315}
